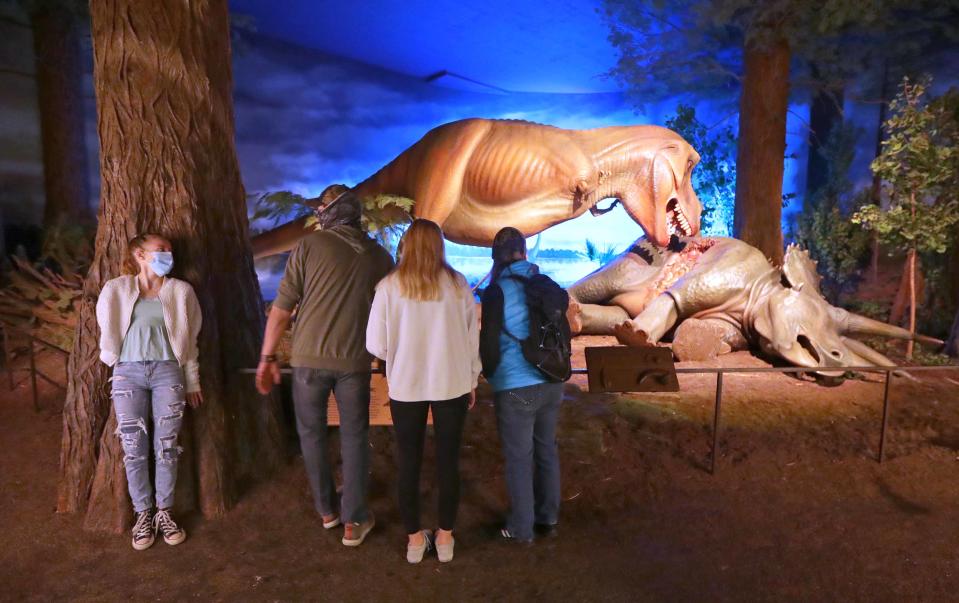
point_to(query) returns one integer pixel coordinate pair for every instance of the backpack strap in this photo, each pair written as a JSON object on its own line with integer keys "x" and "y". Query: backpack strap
{"x": 522, "y": 280}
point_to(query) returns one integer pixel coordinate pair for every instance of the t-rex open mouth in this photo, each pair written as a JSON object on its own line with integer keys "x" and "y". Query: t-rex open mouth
{"x": 676, "y": 221}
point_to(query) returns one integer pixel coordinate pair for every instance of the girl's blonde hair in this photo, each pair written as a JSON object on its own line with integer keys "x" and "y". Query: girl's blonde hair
{"x": 422, "y": 264}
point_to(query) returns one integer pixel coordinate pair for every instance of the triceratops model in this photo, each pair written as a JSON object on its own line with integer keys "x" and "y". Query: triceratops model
{"x": 731, "y": 289}
{"x": 474, "y": 176}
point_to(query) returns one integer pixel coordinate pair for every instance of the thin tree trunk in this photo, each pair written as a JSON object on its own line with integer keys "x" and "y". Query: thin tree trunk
{"x": 912, "y": 283}
{"x": 168, "y": 165}
{"x": 912, "y": 301}
{"x": 56, "y": 41}
{"x": 897, "y": 314}
{"x": 762, "y": 146}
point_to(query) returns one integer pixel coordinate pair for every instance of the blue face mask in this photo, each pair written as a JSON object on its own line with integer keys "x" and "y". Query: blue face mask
{"x": 161, "y": 263}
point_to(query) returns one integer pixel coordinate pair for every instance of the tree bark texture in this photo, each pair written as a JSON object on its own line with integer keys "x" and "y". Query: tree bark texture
{"x": 168, "y": 165}
{"x": 761, "y": 150}
{"x": 59, "y": 72}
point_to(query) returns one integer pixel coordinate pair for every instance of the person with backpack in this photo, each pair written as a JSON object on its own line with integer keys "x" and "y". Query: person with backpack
{"x": 423, "y": 324}
{"x": 525, "y": 351}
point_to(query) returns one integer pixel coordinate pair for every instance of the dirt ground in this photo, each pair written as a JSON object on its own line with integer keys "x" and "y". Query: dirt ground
{"x": 799, "y": 509}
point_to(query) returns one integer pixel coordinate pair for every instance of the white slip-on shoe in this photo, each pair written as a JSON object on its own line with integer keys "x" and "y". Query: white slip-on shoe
{"x": 414, "y": 554}
{"x": 331, "y": 523}
{"x": 444, "y": 552}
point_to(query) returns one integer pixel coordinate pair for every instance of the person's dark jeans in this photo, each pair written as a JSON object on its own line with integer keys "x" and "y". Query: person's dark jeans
{"x": 311, "y": 393}
{"x": 526, "y": 418}
{"x": 409, "y": 422}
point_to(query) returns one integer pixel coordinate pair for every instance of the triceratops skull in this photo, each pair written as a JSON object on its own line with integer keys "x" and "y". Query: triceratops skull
{"x": 798, "y": 324}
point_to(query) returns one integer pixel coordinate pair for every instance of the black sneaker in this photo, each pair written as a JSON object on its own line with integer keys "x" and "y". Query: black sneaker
{"x": 164, "y": 524}
{"x": 143, "y": 532}
{"x": 546, "y": 530}
{"x": 509, "y": 538}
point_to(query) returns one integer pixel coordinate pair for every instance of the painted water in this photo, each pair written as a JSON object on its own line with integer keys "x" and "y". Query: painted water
{"x": 565, "y": 271}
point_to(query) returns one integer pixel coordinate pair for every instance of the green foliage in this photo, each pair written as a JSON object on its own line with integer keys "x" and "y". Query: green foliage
{"x": 602, "y": 256}
{"x": 279, "y": 205}
{"x": 69, "y": 245}
{"x": 714, "y": 179}
{"x": 924, "y": 357}
{"x": 386, "y": 212}
{"x": 383, "y": 215}
{"x": 919, "y": 167}
{"x": 870, "y": 308}
{"x": 840, "y": 246}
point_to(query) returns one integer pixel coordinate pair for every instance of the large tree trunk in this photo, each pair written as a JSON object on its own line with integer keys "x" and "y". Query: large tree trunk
{"x": 168, "y": 165}
{"x": 762, "y": 147}
{"x": 59, "y": 65}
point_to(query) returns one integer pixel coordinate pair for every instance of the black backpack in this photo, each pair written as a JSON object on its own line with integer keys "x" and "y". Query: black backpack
{"x": 548, "y": 345}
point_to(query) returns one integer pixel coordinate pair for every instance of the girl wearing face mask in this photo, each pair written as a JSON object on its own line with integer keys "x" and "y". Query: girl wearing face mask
{"x": 149, "y": 323}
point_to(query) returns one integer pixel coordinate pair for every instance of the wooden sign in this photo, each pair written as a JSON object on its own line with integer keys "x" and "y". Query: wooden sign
{"x": 379, "y": 405}
{"x": 630, "y": 369}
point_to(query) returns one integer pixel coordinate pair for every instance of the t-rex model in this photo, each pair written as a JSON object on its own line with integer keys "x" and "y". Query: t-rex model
{"x": 729, "y": 287}
{"x": 477, "y": 175}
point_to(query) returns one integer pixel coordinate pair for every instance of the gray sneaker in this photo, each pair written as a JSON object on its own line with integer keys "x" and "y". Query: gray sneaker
{"x": 355, "y": 533}
{"x": 143, "y": 532}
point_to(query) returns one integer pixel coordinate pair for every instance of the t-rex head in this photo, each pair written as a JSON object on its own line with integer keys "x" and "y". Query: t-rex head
{"x": 663, "y": 201}
{"x": 796, "y": 323}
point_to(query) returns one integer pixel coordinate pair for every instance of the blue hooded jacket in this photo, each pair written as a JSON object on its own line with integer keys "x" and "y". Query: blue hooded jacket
{"x": 513, "y": 370}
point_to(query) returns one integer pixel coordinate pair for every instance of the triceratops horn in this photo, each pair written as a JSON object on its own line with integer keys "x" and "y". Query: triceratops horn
{"x": 867, "y": 326}
{"x": 867, "y": 353}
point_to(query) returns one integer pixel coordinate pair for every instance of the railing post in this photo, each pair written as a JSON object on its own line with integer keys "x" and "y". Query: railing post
{"x": 33, "y": 373}
{"x": 885, "y": 418}
{"x": 716, "y": 413}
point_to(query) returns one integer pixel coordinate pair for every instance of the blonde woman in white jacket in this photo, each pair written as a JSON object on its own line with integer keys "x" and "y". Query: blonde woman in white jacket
{"x": 423, "y": 324}
{"x": 149, "y": 323}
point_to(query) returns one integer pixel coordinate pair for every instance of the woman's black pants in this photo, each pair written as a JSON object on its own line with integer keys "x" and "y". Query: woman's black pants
{"x": 409, "y": 421}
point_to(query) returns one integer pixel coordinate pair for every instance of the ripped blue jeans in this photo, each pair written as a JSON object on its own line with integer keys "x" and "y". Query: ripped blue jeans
{"x": 144, "y": 393}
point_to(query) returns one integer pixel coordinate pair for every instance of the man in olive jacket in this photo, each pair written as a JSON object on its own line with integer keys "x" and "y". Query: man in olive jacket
{"x": 330, "y": 280}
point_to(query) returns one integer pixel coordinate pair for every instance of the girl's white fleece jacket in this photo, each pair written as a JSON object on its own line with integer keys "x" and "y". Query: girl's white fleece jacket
{"x": 431, "y": 348}
{"x": 181, "y": 314}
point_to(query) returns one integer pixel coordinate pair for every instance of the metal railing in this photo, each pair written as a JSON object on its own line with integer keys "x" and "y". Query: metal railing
{"x": 718, "y": 400}
{"x": 32, "y": 340}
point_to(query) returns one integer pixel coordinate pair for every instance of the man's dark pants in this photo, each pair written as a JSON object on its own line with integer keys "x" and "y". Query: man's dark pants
{"x": 311, "y": 392}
